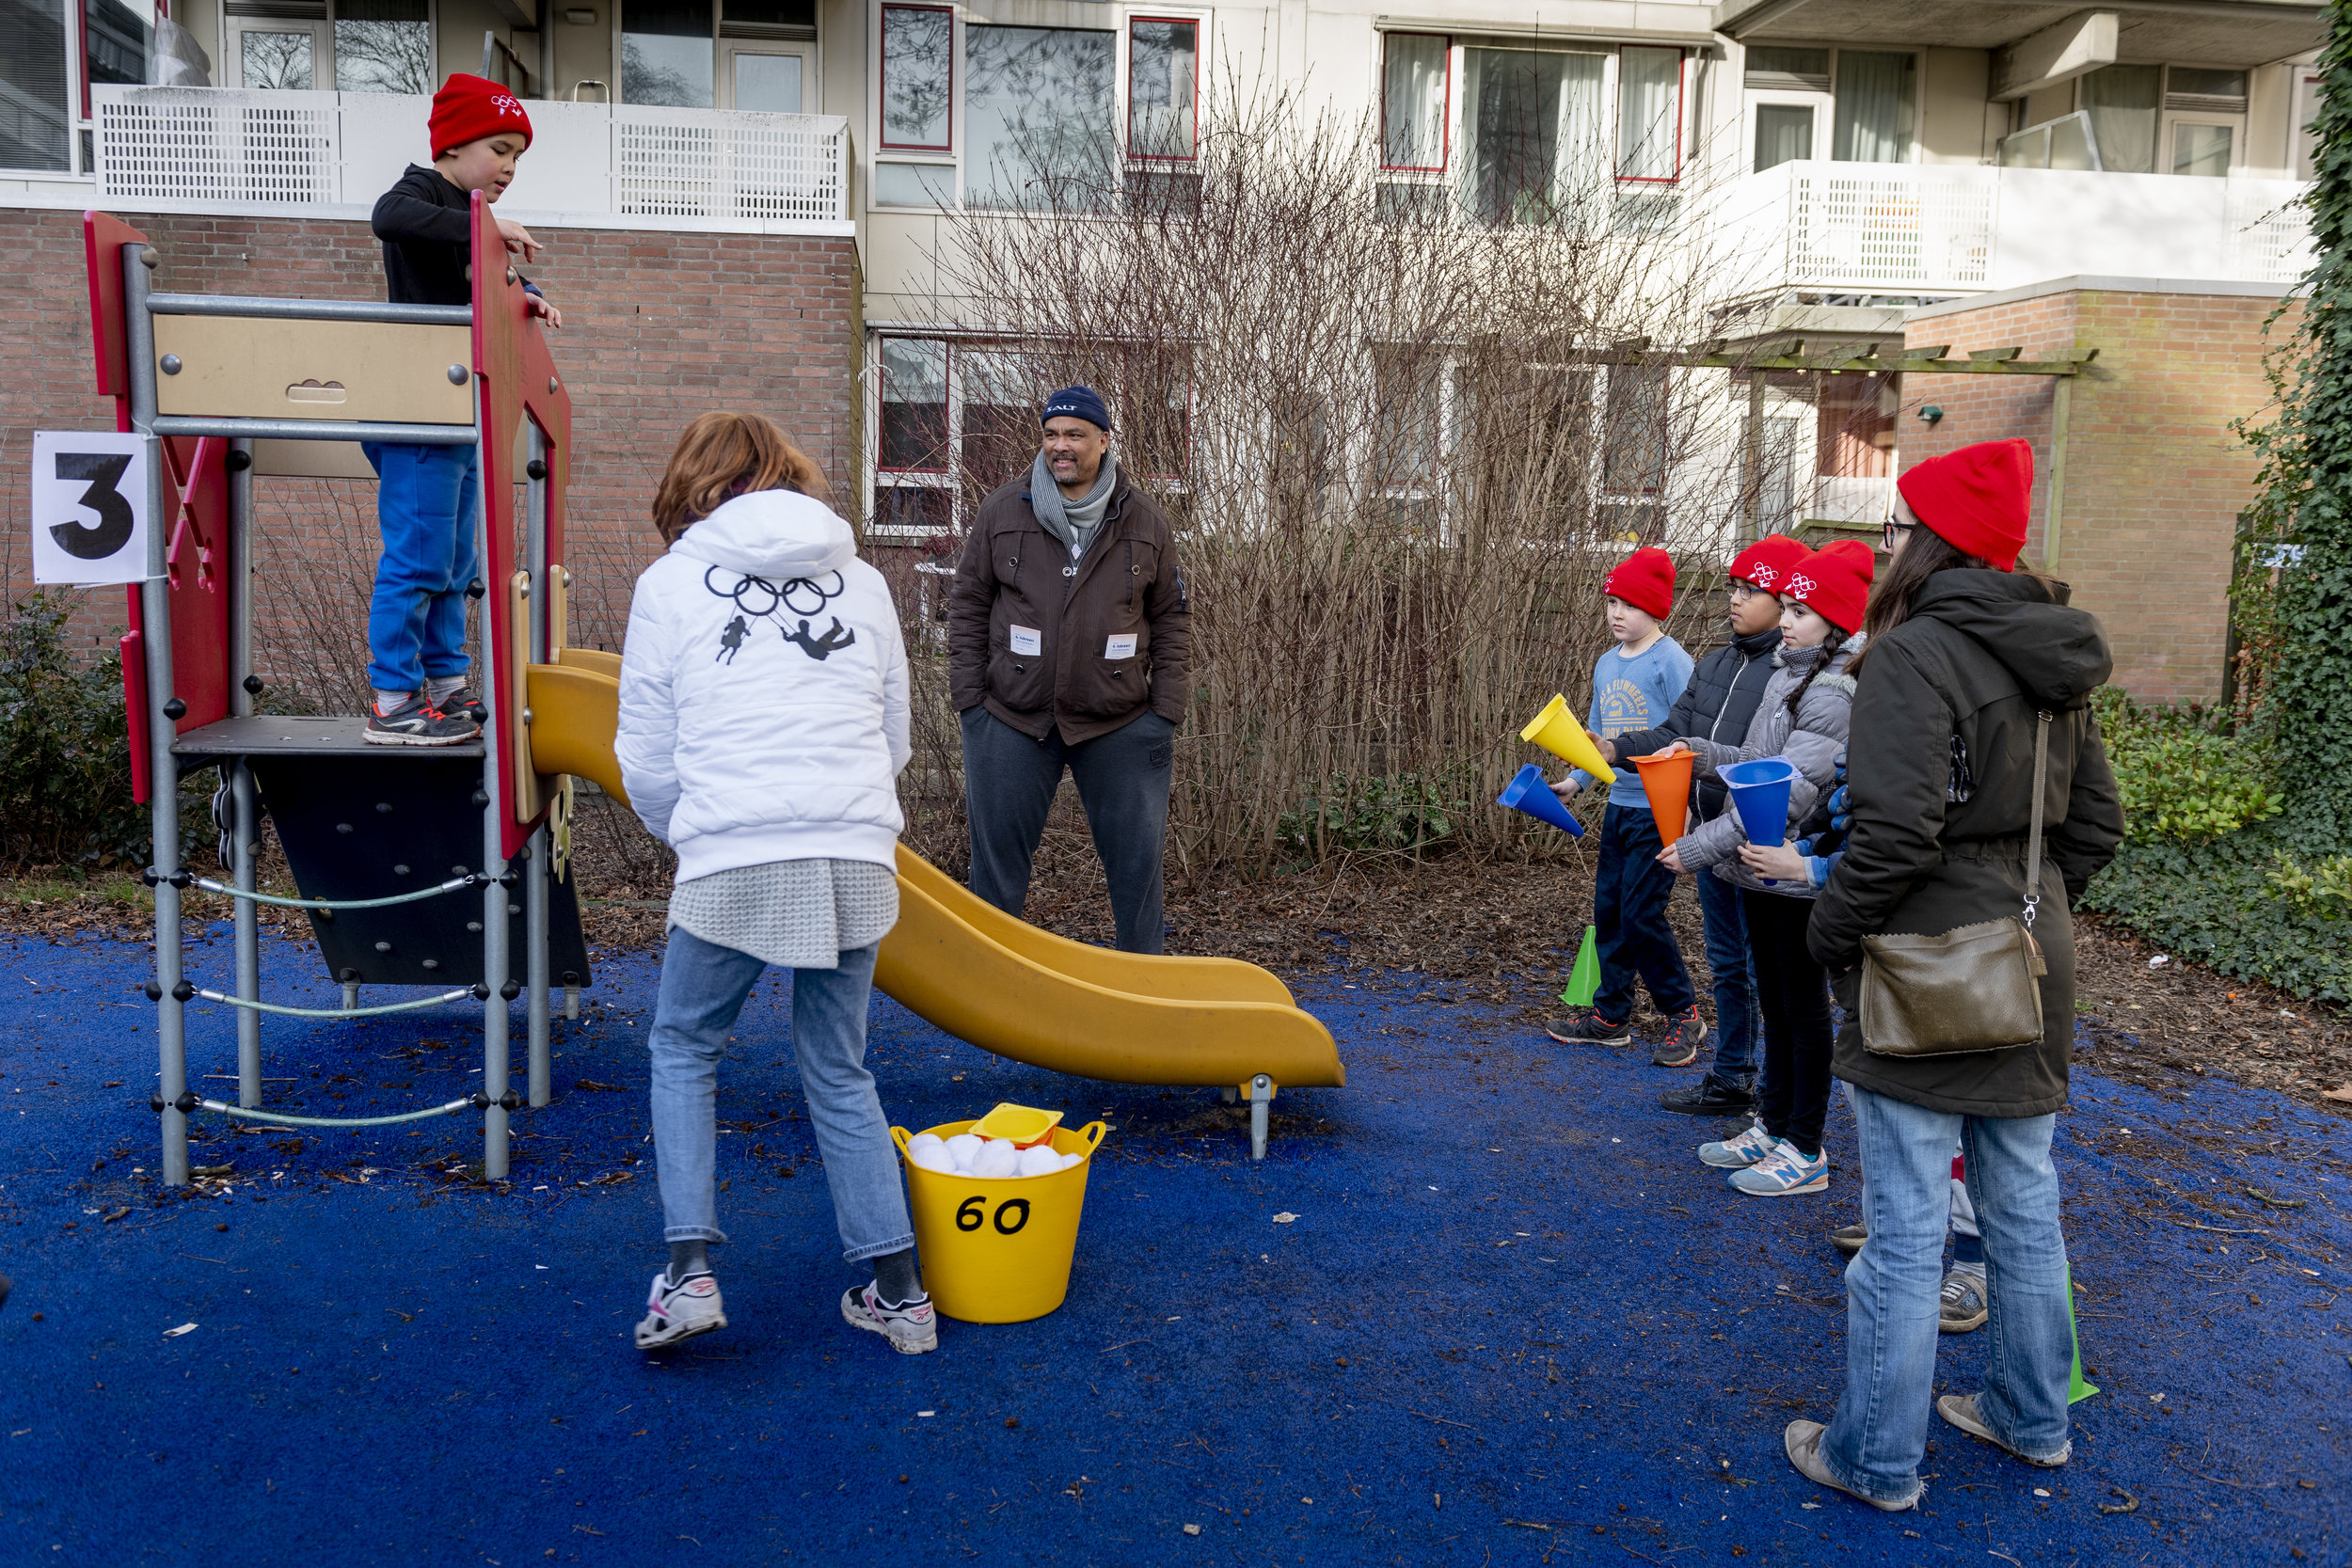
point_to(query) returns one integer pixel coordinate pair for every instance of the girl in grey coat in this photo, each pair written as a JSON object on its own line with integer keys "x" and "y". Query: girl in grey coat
{"x": 1803, "y": 718}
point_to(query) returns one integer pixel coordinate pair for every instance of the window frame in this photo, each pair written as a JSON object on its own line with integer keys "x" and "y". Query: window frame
{"x": 1126, "y": 93}
{"x": 955, "y": 85}
{"x": 1760, "y": 98}
{"x": 1824, "y": 103}
{"x": 1445, "y": 121}
{"x": 233, "y": 28}
{"x": 1682, "y": 82}
{"x": 731, "y": 48}
{"x": 951, "y": 437}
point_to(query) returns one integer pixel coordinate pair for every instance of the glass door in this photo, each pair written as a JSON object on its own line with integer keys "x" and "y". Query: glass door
{"x": 279, "y": 53}
{"x": 769, "y": 78}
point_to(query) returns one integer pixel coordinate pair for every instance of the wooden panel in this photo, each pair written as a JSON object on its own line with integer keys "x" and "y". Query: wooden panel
{"x": 313, "y": 459}
{"x": 240, "y": 368}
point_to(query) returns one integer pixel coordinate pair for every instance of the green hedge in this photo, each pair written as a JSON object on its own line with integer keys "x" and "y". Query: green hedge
{"x": 65, "y": 760}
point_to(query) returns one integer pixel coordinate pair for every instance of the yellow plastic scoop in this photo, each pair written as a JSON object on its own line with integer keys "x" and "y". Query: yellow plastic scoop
{"x": 1023, "y": 1125}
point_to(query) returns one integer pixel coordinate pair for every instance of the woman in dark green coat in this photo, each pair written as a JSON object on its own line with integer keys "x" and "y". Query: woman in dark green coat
{"x": 1965, "y": 653}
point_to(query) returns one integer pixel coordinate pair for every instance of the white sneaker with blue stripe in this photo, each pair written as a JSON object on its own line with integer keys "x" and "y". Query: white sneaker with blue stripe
{"x": 1740, "y": 1152}
{"x": 1783, "y": 1173}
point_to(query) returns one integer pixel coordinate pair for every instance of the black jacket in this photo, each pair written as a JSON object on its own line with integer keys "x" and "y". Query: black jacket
{"x": 1939, "y": 769}
{"x": 426, "y": 223}
{"x": 1114, "y": 638}
{"x": 1718, "y": 704}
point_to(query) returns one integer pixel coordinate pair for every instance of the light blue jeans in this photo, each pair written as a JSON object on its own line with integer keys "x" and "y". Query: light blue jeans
{"x": 703, "y": 990}
{"x": 1879, "y": 1433}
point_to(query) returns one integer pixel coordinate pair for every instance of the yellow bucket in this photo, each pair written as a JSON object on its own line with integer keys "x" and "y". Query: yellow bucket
{"x": 998, "y": 1251}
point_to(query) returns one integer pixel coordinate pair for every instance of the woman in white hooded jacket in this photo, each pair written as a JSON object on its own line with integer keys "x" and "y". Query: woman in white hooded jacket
{"x": 763, "y": 726}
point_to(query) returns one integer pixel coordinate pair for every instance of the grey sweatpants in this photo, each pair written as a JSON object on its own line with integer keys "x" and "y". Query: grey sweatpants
{"x": 1122, "y": 778}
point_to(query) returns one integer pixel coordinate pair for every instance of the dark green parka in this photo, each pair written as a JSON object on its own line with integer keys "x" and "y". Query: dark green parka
{"x": 1940, "y": 766}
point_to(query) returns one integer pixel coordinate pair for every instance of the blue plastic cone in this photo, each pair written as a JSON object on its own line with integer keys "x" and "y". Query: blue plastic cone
{"x": 1760, "y": 793}
{"x": 1529, "y": 794}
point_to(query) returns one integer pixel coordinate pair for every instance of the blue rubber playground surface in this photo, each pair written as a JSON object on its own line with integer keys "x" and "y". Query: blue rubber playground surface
{"x": 1512, "y": 1321}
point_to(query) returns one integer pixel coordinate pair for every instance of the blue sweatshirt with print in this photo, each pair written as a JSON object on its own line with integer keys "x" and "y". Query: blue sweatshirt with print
{"x": 1632, "y": 694}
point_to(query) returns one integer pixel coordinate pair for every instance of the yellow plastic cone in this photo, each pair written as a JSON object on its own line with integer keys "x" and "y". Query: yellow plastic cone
{"x": 1562, "y": 734}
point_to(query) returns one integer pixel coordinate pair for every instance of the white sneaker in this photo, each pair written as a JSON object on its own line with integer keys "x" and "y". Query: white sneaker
{"x": 1740, "y": 1152}
{"x": 911, "y": 1328}
{"x": 1783, "y": 1173}
{"x": 680, "y": 1311}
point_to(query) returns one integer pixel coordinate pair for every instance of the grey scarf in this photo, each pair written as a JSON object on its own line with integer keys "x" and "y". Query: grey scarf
{"x": 1072, "y": 522}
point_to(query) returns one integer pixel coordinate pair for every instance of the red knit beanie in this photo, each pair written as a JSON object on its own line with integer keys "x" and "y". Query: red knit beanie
{"x": 468, "y": 108}
{"x": 1975, "y": 500}
{"x": 1646, "y": 580}
{"x": 1767, "y": 561}
{"x": 1835, "y": 582}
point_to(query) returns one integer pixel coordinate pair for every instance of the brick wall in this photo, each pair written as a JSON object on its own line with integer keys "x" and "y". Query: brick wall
{"x": 657, "y": 328}
{"x": 2154, "y": 479}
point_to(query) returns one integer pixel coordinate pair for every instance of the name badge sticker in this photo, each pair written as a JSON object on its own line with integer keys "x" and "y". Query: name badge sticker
{"x": 1121, "y": 646}
{"x": 1027, "y": 640}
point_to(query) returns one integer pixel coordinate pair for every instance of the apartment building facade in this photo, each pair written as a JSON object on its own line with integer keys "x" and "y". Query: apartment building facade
{"x": 753, "y": 198}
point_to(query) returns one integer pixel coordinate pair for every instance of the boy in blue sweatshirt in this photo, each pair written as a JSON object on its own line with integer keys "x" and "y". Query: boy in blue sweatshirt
{"x": 426, "y": 496}
{"x": 1635, "y": 684}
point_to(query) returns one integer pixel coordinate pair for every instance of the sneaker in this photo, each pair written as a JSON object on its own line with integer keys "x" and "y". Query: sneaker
{"x": 912, "y": 1327}
{"x": 1963, "y": 1305}
{"x": 1803, "y": 1439}
{"x": 416, "y": 723}
{"x": 1681, "y": 1048}
{"x": 680, "y": 1310}
{"x": 1740, "y": 1152}
{"x": 1847, "y": 1239}
{"x": 464, "y": 705}
{"x": 1711, "y": 1096}
{"x": 1585, "y": 1026}
{"x": 1960, "y": 1411}
{"x": 1783, "y": 1173}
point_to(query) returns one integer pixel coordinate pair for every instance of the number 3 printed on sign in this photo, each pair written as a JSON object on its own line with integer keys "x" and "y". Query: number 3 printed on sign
{"x": 89, "y": 506}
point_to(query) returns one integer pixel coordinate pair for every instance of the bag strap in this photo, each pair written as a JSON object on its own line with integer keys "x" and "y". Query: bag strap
{"x": 2033, "y": 841}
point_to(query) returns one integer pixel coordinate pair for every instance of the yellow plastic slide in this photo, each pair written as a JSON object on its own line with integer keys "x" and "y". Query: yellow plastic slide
{"x": 1003, "y": 985}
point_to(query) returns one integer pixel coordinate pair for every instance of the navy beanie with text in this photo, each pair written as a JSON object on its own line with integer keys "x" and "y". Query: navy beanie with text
{"x": 1077, "y": 402}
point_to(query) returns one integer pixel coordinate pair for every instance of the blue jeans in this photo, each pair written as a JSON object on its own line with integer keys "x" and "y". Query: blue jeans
{"x": 1724, "y": 920}
{"x": 703, "y": 990}
{"x": 425, "y": 508}
{"x": 1630, "y": 936}
{"x": 1879, "y": 1433}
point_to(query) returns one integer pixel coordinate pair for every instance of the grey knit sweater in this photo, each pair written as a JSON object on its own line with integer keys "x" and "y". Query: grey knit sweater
{"x": 795, "y": 915}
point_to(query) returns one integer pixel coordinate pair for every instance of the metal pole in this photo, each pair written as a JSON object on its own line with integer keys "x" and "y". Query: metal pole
{"x": 535, "y": 869}
{"x": 163, "y": 786}
{"x": 244, "y": 810}
{"x": 494, "y": 895}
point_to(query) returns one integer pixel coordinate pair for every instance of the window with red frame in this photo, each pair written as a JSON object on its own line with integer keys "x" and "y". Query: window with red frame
{"x": 1162, "y": 89}
{"x": 1416, "y": 101}
{"x": 1650, "y": 115}
{"x": 918, "y": 77}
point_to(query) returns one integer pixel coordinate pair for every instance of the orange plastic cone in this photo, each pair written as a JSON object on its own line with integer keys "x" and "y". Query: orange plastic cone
{"x": 1666, "y": 780}
{"x": 1561, "y": 732}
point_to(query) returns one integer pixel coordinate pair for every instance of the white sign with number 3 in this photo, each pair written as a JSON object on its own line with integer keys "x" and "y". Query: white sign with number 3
{"x": 89, "y": 506}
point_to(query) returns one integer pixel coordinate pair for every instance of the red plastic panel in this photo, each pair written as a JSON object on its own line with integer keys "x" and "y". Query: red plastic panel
{"x": 104, "y": 236}
{"x": 196, "y": 495}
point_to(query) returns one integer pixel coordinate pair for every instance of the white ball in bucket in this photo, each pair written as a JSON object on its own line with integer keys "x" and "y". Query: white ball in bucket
{"x": 931, "y": 1156}
{"x": 1039, "y": 1160}
{"x": 924, "y": 1140}
{"x": 1069, "y": 1160}
{"x": 961, "y": 1147}
{"x": 996, "y": 1160}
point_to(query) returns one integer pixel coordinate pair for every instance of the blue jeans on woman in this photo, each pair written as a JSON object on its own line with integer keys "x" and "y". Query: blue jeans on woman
{"x": 425, "y": 508}
{"x": 1879, "y": 1433}
{"x": 703, "y": 990}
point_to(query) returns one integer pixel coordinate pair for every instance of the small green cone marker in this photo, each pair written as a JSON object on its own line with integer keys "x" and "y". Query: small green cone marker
{"x": 1585, "y": 979}
{"x": 2077, "y": 1389}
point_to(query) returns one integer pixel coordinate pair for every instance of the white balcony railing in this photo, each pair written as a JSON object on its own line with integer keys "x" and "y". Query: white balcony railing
{"x": 590, "y": 164}
{"x": 1937, "y": 229}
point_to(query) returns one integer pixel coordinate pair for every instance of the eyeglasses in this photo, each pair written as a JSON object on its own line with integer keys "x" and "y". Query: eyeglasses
{"x": 1894, "y": 532}
{"x": 1743, "y": 592}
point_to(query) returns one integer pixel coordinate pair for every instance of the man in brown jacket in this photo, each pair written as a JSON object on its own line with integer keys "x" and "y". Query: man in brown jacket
{"x": 1069, "y": 644}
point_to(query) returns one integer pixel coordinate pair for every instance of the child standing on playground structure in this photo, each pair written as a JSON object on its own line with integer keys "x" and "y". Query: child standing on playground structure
{"x": 1635, "y": 684}
{"x": 417, "y": 659}
{"x": 1718, "y": 704}
{"x": 1803, "y": 718}
{"x": 763, "y": 726}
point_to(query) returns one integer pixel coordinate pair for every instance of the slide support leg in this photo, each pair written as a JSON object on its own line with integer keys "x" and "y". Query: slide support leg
{"x": 1261, "y": 1105}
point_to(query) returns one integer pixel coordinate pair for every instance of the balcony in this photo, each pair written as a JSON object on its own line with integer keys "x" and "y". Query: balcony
{"x": 591, "y": 166}
{"x": 1845, "y": 227}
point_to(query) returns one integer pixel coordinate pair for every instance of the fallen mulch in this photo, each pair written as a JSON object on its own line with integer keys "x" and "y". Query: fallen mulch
{"x": 1500, "y": 932}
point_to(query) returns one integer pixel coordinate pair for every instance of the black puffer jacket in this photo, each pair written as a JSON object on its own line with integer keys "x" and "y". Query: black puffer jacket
{"x": 1718, "y": 703}
{"x": 1940, "y": 771}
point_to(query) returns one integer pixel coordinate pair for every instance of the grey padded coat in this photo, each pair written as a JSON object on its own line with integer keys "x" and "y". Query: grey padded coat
{"x": 1810, "y": 738}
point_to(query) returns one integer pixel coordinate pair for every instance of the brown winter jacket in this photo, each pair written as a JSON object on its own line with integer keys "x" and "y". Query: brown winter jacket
{"x": 1015, "y": 573}
{"x": 1940, "y": 776}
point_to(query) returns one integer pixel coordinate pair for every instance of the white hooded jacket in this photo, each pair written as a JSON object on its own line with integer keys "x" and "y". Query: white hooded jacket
{"x": 764, "y": 692}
